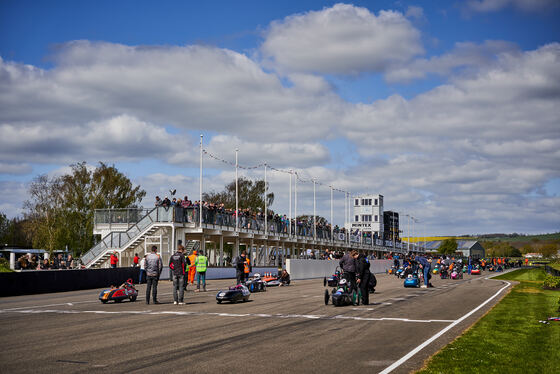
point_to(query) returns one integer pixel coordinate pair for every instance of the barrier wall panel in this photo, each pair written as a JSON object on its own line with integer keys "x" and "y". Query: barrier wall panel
{"x": 309, "y": 269}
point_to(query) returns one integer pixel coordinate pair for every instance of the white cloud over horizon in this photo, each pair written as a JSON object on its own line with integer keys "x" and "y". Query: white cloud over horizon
{"x": 469, "y": 154}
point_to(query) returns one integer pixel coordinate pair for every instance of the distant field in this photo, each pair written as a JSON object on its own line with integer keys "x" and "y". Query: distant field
{"x": 544, "y": 238}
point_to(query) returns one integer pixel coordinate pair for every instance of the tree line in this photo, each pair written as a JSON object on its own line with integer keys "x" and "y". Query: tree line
{"x": 59, "y": 211}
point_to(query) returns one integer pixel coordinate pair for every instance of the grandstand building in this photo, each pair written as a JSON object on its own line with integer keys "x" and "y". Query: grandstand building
{"x": 368, "y": 215}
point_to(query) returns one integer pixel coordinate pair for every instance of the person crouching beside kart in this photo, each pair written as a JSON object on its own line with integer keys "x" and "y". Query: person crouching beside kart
{"x": 284, "y": 278}
{"x": 348, "y": 265}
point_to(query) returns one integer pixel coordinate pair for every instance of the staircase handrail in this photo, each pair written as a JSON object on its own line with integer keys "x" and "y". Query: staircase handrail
{"x": 137, "y": 228}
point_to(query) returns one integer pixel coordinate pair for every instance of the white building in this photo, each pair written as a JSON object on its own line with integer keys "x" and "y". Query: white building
{"x": 367, "y": 214}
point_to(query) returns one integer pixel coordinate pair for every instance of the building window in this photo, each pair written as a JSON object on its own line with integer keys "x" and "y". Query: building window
{"x": 366, "y": 218}
{"x": 357, "y": 202}
{"x": 376, "y": 218}
{"x": 369, "y": 202}
{"x": 376, "y": 203}
{"x": 357, "y": 218}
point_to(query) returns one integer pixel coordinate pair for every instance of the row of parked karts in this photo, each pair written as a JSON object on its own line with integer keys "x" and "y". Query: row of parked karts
{"x": 234, "y": 294}
{"x": 341, "y": 294}
{"x": 241, "y": 292}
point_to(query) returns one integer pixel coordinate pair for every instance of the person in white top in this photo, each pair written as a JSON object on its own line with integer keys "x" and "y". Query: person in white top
{"x": 142, "y": 270}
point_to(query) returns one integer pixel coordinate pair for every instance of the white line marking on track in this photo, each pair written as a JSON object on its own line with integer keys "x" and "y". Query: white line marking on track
{"x": 405, "y": 358}
{"x": 261, "y": 315}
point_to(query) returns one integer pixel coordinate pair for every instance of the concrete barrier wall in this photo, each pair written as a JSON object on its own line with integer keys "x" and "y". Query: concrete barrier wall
{"x": 308, "y": 269}
{"x": 46, "y": 281}
{"x": 224, "y": 273}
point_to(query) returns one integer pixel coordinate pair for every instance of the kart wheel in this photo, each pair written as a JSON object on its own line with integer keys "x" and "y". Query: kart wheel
{"x": 104, "y": 301}
{"x": 219, "y": 301}
{"x": 325, "y": 282}
{"x": 133, "y": 298}
{"x": 327, "y": 297}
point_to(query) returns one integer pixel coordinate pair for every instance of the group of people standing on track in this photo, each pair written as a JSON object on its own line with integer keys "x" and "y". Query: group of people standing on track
{"x": 356, "y": 271}
{"x": 182, "y": 270}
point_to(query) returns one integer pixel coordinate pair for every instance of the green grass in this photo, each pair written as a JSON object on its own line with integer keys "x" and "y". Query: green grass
{"x": 509, "y": 339}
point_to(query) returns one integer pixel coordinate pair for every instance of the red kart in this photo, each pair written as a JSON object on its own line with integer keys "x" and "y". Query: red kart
{"x": 125, "y": 291}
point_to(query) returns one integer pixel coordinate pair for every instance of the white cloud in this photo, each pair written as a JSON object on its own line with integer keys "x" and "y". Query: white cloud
{"x": 487, "y": 6}
{"x": 343, "y": 39}
{"x": 465, "y": 57}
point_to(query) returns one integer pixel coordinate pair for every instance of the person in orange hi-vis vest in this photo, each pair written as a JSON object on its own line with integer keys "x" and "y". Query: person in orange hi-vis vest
{"x": 192, "y": 267}
{"x": 247, "y": 268}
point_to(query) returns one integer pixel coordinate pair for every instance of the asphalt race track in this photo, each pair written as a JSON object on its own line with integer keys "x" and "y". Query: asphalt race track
{"x": 286, "y": 329}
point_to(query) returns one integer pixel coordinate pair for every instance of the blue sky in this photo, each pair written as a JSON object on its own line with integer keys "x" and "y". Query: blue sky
{"x": 448, "y": 109}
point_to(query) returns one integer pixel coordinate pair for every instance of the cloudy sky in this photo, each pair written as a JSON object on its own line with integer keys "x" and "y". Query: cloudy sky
{"x": 449, "y": 109}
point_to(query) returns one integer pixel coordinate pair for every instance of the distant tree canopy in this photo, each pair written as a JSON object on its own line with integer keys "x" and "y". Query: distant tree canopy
{"x": 448, "y": 246}
{"x": 12, "y": 232}
{"x": 60, "y": 209}
{"x": 251, "y": 195}
{"x": 502, "y": 249}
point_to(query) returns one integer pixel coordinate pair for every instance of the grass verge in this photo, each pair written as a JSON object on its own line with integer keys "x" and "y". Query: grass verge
{"x": 509, "y": 338}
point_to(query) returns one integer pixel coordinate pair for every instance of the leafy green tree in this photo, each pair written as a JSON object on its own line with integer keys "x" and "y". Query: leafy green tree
{"x": 251, "y": 195}
{"x": 61, "y": 209}
{"x": 448, "y": 246}
{"x": 549, "y": 250}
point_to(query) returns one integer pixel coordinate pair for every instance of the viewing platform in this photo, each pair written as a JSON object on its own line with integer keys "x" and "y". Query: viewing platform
{"x": 267, "y": 242}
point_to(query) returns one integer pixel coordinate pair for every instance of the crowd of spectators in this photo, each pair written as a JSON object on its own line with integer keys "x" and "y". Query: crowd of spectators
{"x": 59, "y": 262}
{"x": 218, "y": 214}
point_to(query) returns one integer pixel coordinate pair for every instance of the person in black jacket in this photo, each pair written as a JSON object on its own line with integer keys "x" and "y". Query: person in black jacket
{"x": 240, "y": 263}
{"x": 363, "y": 274}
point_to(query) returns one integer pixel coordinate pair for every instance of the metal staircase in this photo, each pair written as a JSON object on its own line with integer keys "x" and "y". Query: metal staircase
{"x": 120, "y": 241}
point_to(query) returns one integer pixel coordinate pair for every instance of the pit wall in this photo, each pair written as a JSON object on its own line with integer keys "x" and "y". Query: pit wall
{"x": 224, "y": 273}
{"x": 308, "y": 269}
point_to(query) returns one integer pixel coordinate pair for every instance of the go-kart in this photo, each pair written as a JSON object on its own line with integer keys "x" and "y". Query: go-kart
{"x": 436, "y": 270}
{"x": 234, "y": 294}
{"x": 412, "y": 281}
{"x": 456, "y": 275}
{"x": 332, "y": 281}
{"x": 399, "y": 272}
{"x": 341, "y": 295}
{"x": 475, "y": 271}
{"x": 256, "y": 284}
{"x": 125, "y": 291}
{"x": 271, "y": 281}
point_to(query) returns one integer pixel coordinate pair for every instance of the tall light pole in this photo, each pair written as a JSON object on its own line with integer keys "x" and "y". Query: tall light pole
{"x": 290, "y": 209}
{"x": 314, "y": 213}
{"x": 332, "y": 229}
{"x": 200, "y": 186}
{"x": 295, "y": 205}
{"x": 265, "y": 205}
{"x": 236, "y": 191}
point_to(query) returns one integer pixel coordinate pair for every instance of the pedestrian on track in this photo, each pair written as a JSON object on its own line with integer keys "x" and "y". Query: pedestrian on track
{"x": 154, "y": 266}
{"x": 177, "y": 265}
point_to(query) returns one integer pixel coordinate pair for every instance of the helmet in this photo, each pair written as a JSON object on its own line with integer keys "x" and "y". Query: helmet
{"x": 257, "y": 275}
{"x": 343, "y": 282}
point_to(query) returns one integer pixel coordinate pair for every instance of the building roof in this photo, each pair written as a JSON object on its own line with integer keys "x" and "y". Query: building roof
{"x": 461, "y": 244}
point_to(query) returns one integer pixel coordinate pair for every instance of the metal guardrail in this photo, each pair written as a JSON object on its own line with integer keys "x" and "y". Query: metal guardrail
{"x": 216, "y": 220}
{"x": 120, "y": 239}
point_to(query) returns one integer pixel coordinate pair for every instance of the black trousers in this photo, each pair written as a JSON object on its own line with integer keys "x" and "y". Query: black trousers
{"x": 351, "y": 279}
{"x": 240, "y": 275}
{"x": 151, "y": 285}
{"x": 364, "y": 288}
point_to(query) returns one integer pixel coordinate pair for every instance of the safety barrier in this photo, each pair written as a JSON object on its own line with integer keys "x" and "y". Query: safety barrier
{"x": 308, "y": 269}
{"x": 46, "y": 281}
